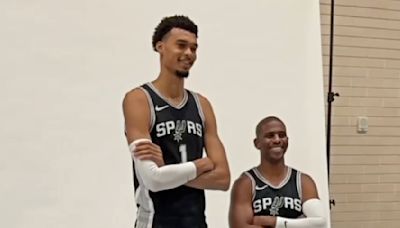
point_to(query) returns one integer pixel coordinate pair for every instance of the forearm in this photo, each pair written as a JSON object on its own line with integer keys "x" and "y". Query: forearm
{"x": 246, "y": 226}
{"x": 310, "y": 222}
{"x": 216, "y": 179}
{"x": 161, "y": 178}
{"x": 166, "y": 177}
{"x": 315, "y": 217}
{"x": 243, "y": 220}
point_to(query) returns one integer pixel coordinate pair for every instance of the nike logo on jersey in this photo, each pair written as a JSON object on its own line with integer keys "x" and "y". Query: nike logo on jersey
{"x": 158, "y": 108}
{"x": 261, "y": 188}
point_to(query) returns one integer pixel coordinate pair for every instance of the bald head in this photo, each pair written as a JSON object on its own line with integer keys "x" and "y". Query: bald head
{"x": 265, "y": 121}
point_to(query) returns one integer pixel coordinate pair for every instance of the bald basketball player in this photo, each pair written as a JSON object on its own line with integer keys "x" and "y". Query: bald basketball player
{"x": 273, "y": 194}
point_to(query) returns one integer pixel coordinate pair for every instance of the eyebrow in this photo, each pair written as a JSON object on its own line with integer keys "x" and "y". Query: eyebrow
{"x": 186, "y": 42}
{"x": 275, "y": 132}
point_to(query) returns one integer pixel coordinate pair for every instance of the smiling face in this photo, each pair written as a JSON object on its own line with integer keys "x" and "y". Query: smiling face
{"x": 272, "y": 140}
{"x": 178, "y": 51}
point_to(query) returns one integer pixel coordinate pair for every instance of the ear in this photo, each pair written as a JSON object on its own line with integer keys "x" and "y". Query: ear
{"x": 159, "y": 46}
{"x": 255, "y": 142}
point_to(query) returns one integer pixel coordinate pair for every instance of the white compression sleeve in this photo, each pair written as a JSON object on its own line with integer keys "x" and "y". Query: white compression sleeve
{"x": 315, "y": 217}
{"x": 157, "y": 178}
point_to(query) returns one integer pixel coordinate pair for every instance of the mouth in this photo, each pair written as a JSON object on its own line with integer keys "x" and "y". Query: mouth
{"x": 277, "y": 149}
{"x": 186, "y": 63}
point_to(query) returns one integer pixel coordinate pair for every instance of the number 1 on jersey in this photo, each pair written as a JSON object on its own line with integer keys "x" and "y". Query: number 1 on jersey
{"x": 183, "y": 151}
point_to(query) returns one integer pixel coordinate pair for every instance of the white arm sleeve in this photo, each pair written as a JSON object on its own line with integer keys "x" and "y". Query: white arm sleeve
{"x": 315, "y": 217}
{"x": 157, "y": 178}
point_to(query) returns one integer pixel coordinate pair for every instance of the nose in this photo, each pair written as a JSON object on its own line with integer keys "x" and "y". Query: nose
{"x": 276, "y": 139}
{"x": 189, "y": 52}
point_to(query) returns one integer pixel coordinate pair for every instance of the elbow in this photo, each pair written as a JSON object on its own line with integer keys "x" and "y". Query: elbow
{"x": 226, "y": 184}
{"x": 225, "y": 188}
{"x": 225, "y": 181}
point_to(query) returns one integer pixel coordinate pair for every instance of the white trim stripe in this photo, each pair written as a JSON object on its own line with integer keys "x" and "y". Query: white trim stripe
{"x": 179, "y": 106}
{"x": 298, "y": 183}
{"x": 151, "y": 106}
{"x": 283, "y": 182}
{"x": 145, "y": 212}
{"x": 201, "y": 113}
{"x": 253, "y": 184}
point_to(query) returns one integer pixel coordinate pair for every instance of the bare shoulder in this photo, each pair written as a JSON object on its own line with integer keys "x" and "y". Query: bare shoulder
{"x": 308, "y": 186}
{"x": 137, "y": 114}
{"x": 205, "y": 103}
{"x": 240, "y": 210}
{"x": 208, "y": 111}
{"x": 307, "y": 179}
{"x": 134, "y": 96}
{"x": 242, "y": 192}
{"x": 242, "y": 185}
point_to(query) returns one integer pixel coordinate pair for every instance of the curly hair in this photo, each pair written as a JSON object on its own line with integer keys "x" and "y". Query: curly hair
{"x": 168, "y": 23}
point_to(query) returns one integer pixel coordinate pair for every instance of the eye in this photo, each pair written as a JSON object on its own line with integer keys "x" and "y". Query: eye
{"x": 282, "y": 135}
{"x": 193, "y": 49}
{"x": 181, "y": 45}
{"x": 269, "y": 135}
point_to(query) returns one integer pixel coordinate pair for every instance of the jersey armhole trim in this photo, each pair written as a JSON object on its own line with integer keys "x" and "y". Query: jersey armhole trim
{"x": 253, "y": 185}
{"x": 198, "y": 104}
{"x": 151, "y": 106}
{"x": 298, "y": 183}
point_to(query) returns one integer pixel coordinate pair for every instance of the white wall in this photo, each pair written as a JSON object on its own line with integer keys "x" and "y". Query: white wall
{"x": 65, "y": 66}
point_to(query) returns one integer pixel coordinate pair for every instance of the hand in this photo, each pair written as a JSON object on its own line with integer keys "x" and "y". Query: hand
{"x": 268, "y": 221}
{"x": 147, "y": 150}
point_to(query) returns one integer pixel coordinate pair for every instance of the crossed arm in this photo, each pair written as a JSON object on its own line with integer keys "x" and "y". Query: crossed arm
{"x": 241, "y": 212}
{"x": 209, "y": 172}
{"x": 219, "y": 177}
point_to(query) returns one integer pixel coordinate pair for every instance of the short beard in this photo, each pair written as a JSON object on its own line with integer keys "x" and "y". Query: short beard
{"x": 182, "y": 74}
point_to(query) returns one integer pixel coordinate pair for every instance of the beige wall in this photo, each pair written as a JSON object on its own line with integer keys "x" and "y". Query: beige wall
{"x": 365, "y": 168}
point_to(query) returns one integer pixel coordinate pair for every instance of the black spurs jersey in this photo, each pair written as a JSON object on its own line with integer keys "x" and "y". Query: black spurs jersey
{"x": 178, "y": 130}
{"x": 283, "y": 200}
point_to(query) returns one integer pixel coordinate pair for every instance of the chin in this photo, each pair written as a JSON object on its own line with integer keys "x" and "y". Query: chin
{"x": 182, "y": 74}
{"x": 277, "y": 158}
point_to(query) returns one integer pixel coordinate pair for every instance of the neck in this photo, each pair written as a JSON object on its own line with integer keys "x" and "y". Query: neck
{"x": 170, "y": 86}
{"x": 273, "y": 172}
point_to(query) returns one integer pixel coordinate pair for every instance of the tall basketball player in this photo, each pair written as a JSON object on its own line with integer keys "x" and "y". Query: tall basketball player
{"x": 274, "y": 194}
{"x": 167, "y": 128}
